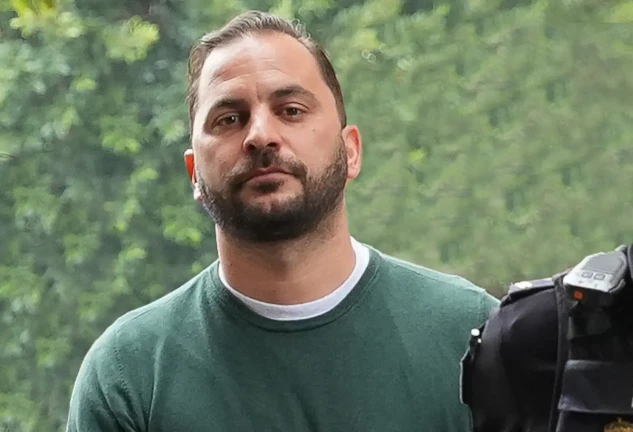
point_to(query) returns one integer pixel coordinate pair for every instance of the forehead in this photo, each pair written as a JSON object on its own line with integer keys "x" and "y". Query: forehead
{"x": 263, "y": 62}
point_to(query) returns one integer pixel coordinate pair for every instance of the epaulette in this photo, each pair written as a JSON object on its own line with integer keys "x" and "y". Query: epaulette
{"x": 526, "y": 288}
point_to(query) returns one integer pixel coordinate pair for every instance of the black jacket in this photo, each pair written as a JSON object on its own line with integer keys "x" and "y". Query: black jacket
{"x": 510, "y": 378}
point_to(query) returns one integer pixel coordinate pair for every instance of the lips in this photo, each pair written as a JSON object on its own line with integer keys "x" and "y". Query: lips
{"x": 264, "y": 171}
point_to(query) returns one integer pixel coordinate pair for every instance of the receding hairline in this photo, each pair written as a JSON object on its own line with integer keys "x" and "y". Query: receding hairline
{"x": 217, "y": 69}
{"x": 255, "y": 34}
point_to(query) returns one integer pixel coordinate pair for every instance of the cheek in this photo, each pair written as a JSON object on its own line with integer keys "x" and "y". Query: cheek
{"x": 314, "y": 147}
{"x": 214, "y": 163}
{"x": 326, "y": 148}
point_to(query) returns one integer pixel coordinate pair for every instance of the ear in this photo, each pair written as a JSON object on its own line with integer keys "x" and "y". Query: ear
{"x": 353, "y": 146}
{"x": 190, "y": 163}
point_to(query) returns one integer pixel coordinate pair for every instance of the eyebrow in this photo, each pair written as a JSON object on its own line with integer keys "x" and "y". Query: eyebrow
{"x": 294, "y": 90}
{"x": 226, "y": 102}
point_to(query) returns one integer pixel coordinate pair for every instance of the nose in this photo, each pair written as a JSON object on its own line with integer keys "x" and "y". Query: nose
{"x": 263, "y": 131}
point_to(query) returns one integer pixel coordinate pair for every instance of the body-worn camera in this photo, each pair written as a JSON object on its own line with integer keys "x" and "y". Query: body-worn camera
{"x": 595, "y": 281}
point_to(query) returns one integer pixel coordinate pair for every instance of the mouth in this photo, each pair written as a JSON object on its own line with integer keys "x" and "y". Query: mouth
{"x": 265, "y": 172}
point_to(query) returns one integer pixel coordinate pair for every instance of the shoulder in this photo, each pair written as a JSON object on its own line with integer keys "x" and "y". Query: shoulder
{"x": 526, "y": 289}
{"x": 526, "y": 322}
{"x": 139, "y": 329}
{"x": 417, "y": 273}
{"x": 120, "y": 358}
{"x": 450, "y": 291}
{"x": 526, "y": 313}
{"x": 166, "y": 313}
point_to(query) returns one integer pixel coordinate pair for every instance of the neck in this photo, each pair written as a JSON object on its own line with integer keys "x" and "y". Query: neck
{"x": 291, "y": 272}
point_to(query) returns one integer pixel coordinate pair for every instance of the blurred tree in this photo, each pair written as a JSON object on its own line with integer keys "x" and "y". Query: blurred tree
{"x": 528, "y": 160}
{"x": 496, "y": 146}
{"x": 98, "y": 217}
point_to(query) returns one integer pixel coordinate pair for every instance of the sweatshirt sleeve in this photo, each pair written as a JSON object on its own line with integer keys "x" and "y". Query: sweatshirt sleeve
{"x": 100, "y": 399}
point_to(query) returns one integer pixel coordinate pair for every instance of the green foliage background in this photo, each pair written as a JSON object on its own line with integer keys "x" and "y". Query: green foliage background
{"x": 497, "y": 145}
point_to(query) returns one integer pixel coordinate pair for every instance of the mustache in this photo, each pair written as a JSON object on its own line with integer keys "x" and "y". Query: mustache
{"x": 262, "y": 159}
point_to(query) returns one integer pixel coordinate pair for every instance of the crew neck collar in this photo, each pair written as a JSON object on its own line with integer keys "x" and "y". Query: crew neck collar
{"x": 235, "y": 306}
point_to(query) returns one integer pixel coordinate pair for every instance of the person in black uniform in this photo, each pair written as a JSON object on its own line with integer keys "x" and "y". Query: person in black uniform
{"x": 509, "y": 372}
{"x": 557, "y": 355}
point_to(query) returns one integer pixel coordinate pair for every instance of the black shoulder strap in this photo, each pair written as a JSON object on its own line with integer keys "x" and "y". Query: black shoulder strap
{"x": 563, "y": 307}
{"x": 519, "y": 290}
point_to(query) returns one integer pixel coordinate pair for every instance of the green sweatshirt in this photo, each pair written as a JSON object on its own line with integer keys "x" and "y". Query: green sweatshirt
{"x": 386, "y": 359}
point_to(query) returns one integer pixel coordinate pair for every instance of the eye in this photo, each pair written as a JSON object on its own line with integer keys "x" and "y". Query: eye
{"x": 292, "y": 111}
{"x": 228, "y": 120}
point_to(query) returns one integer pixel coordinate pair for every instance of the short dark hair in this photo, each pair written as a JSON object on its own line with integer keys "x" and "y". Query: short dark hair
{"x": 254, "y": 22}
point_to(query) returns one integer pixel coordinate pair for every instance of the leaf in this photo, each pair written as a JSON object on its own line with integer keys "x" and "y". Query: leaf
{"x": 130, "y": 40}
{"x": 621, "y": 13}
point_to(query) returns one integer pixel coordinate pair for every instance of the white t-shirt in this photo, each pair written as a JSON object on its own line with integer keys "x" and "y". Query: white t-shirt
{"x": 310, "y": 309}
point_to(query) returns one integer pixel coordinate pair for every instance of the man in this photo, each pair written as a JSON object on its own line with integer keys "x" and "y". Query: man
{"x": 297, "y": 326}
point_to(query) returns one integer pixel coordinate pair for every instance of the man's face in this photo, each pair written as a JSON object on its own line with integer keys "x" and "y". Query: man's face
{"x": 271, "y": 159}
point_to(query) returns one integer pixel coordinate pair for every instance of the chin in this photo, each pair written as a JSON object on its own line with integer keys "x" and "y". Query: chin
{"x": 270, "y": 194}
{"x": 273, "y": 203}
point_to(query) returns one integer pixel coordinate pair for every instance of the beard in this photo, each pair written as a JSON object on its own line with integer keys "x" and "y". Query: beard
{"x": 292, "y": 218}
